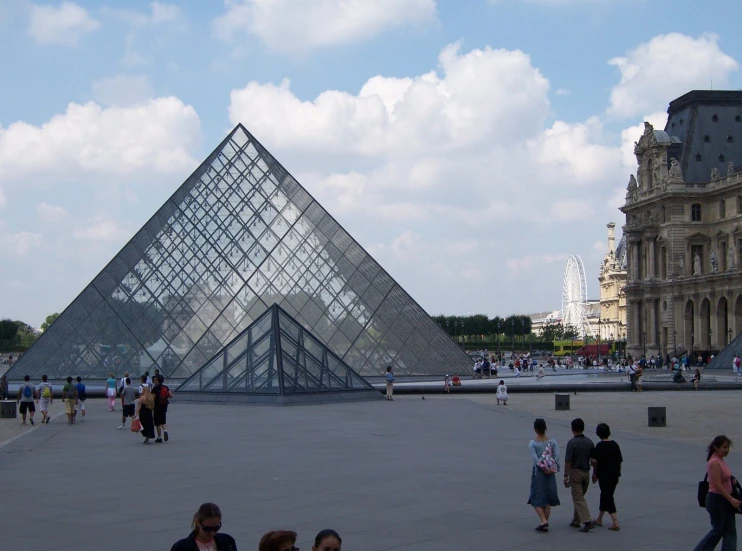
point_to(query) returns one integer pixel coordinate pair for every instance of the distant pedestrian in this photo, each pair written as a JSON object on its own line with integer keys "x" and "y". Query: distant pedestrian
{"x": 545, "y": 456}
{"x": 606, "y": 459}
{"x": 69, "y": 397}
{"x": 145, "y": 408}
{"x": 632, "y": 376}
{"x": 697, "y": 379}
{"x": 162, "y": 395}
{"x": 205, "y": 534}
{"x": 577, "y": 474}
{"x": 327, "y": 540}
{"x": 129, "y": 400}
{"x": 720, "y": 504}
{"x": 81, "y": 397}
{"x": 111, "y": 391}
{"x": 736, "y": 363}
{"x": 502, "y": 393}
{"x": 4, "y": 388}
{"x": 143, "y": 383}
{"x": 46, "y": 398}
{"x": 26, "y": 397}
{"x": 122, "y": 384}
{"x": 277, "y": 540}
{"x": 540, "y": 374}
{"x": 446, "y": 384}
{"x": 389, "y": 383}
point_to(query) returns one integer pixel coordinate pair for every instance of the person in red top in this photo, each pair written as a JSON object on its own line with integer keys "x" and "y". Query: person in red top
{"x": 720, "y": 503}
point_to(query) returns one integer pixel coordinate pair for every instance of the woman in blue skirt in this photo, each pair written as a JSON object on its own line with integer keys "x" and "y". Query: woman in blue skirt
{"x": 545, "y": 456}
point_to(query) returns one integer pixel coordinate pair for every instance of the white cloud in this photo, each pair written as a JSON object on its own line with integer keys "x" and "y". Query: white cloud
{"x": 159, "y": 13}
{"x": 484, "y": 95}
{"x": 528, "y": 263}
{"x": 19, "y": 243}
{"x": 3, "y": 199}
{"x": 299, "y": 25}
{"x": 156, "y": 136}
{"x": 51, "y": 212}
{"x": 64, "y": 24}
{"x": 666, "y": 67}
{"x": 122, "y": 90}
{"x": 570, "y": 210}
{"x": 562, "y": 92}
{"x": 99, "y": 229}
{"x": 576, "y": 148}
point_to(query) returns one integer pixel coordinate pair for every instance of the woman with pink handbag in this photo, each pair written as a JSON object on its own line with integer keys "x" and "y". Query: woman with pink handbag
{"x": 545, "y": 456}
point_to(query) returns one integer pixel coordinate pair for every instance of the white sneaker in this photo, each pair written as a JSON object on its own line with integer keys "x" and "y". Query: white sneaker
{"x": 122, "y": 427}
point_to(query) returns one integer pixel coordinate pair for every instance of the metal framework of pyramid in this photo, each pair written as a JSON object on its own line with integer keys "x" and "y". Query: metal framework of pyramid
{"x": 239, "y": 235}
{"x": 276, "y": 360}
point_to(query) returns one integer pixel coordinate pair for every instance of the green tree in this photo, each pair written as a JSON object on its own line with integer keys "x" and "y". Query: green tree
{"x": 48, "y": 321}
{"x": 8, "y": 330}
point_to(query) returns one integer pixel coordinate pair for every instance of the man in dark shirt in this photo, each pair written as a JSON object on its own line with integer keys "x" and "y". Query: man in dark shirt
{"x": 577, "y": 474}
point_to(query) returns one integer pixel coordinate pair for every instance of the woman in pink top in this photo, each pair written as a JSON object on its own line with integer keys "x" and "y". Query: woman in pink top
{"x": 719, "y": 502}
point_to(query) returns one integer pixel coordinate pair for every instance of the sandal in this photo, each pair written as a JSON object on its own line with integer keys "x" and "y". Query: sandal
{"x": 596, "y": 523}
{"x": 614, "y": 528}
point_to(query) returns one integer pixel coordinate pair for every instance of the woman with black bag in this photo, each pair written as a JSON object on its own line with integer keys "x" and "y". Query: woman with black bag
{"x": 720, "y": 503}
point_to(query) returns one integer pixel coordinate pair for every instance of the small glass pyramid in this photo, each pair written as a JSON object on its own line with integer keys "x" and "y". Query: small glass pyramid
{"x": 275, "y": 356}
{"x": 239, "y": 235}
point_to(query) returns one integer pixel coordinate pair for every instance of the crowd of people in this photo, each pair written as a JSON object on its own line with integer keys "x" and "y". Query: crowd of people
{"x": 146, "y": 405}
{"x": 205, "y": 536}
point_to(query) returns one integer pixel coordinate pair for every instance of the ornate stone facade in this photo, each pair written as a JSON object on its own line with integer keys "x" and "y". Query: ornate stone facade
{"x": 612, "y": 281}
{"x": 684, "y": 229}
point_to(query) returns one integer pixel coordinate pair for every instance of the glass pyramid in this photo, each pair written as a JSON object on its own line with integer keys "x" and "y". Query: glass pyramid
{"x": 238, "y": 236}
{"x": 273, "y": 357}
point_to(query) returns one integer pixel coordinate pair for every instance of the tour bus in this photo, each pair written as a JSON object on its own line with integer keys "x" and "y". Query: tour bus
{"x": 567, "y": 348}
{"x": 603, "y": 349}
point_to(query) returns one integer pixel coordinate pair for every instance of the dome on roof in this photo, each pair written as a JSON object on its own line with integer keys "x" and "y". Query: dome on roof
{"x": 621, "y": 253}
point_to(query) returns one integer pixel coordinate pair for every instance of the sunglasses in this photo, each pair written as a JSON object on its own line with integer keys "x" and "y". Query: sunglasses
{"x": 210, "y": 529}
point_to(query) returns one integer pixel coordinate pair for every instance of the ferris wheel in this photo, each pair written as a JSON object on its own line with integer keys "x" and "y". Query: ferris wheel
{"x": 574, "y": 294}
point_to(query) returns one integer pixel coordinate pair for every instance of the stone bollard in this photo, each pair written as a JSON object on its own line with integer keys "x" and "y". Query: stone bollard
{"x": 656, "y": 417}
{"x": 8, "y": 409}
{"x": 561, "y": 402}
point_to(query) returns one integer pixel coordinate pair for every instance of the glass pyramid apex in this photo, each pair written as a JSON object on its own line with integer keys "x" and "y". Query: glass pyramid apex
{"x": 238, "y": 236}
{"x": 274, "y": 356}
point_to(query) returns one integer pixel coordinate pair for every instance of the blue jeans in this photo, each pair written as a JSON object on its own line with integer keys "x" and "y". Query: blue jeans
{"x": 722, "y": 525}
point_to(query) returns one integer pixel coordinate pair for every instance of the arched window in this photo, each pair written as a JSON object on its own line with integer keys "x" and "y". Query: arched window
{"x": 722, "y": 209}
{"x": 695, "y": 212}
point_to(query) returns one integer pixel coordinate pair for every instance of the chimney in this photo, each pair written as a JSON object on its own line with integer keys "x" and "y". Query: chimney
{"x": 612, "y": 238}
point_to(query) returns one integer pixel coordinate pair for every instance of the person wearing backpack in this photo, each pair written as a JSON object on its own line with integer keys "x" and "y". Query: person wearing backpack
{"x": 26, "y": 397}
{"x": 69, "y": 397}
{"x": 389, "y": 383}
{"x": 46, "y": 397}
{"x": 162, "y": 394}
{"x": 80, "y": 388}
{"x": 545, "y": 456}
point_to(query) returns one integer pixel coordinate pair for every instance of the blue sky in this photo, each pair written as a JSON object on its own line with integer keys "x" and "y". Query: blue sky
{"x": 470, "y": 145}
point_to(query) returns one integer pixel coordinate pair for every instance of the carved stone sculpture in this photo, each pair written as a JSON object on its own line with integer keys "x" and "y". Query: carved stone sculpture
{"x": 697, "y": 265}
{"x": 731, "y": 170}
{"x": 632, "y": 193}
{"x": 714, "y": 263}
{"x": 731, "y": 264}
{"x": 681, "y": 266}
{"x": 675, "y": 175}
{"x": 715, "y": 174}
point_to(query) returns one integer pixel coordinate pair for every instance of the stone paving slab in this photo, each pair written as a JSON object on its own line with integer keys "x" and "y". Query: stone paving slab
{"x": 448, "y": 472}
{"x": 11, "y": 429}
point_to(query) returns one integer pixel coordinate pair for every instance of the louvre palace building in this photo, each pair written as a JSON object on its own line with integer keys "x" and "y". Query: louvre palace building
{"x": 683, "y": 229}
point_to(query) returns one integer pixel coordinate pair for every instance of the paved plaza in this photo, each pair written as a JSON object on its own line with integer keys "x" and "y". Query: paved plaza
{"x": 444, "y": 473}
